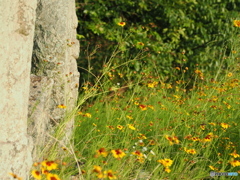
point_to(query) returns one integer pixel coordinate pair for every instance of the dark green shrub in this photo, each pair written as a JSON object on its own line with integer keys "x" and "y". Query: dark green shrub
{"x": 174, "y": 33}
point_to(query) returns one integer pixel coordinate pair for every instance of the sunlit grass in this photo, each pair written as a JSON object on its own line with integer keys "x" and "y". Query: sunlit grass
{"x": 153, "y": 130}
{"x": 196, "y": 129}
{"x": 149, "y": 127}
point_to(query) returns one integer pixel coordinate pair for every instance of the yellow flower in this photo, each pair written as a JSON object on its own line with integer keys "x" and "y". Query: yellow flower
{"x": 197, "y": 71}
{"x": 122, "y": 24}
{"x": 166, "y": 162}
{"x": 101, "y": 175}
{"x": 172, "y": 140}
{"x": 111, "y": 127}
{"x": 225, "y": 125}
{"x": 143, "y": 107}
{"x": 175, "y": 138}
{"x": 167, "y": 170}
{"x": 136, "y": 103}
{"x": 151, "y": 123}
{"x": 130, "y": 126}
{"x": 142, "y": 136}
{"x": 36, "y": 164}
{"x": 213, "y": 168}
{"x": 151, "y": 85}
{"x": 195, "y": 138}
{"x": 44, "y": 171}
{"x": 15, "y": 176}
{"x": 52, "y": 177}
{"x": 212, "y": 123}
{"x": 36, "y": 174}
{"x": 235, "y": 154}
{"x": 119, "y": 127}
{"x": 110, "y": 174}
{"x": 202, "y": 126}
{"x": 236, "y": 23}
{"x": 169, "y": 86}
{"x": 137, "y": 153}
{"x": 97, "y": 169}
{"x": 129, "y": 117}
{"x": 235, "y": 163}
{"x": 118, "y": 153}
{"x": 83, "y": 171}
{"x": 208, "y": 138}
{"x": 141, "y": 43}
{"x": 140, "y": 143}
{"x": 62, "y": 106}
{"x": 176, "y": 96}
{"x": 151, "y": 107}
{"x": 152, "y": 142}
{"x": 88, "y": 115}
{"x": 140, "y": 159}
{"x": 50, "y": 165}
{"x": 169, "y": 139}
{"x": 101, "y": 151}
{"x": 64, "y": 148}
{"x": 190, "y": 151}
{"x": 229, "y": 74}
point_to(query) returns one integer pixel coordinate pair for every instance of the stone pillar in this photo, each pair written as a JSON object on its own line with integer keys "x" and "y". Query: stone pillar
{"x": 54, "y": 57}
{"x": 17, "y": 19}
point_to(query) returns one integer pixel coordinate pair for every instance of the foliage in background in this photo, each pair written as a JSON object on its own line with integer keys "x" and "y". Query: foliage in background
{"x": 170, "y": 33}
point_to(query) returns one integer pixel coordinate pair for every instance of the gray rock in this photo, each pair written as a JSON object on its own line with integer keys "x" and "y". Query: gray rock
{"x": 17, "y": 20}
{"x": 54, "y": 61}
{"x": 39, "y": 111}
{"x": 40, "y": 33}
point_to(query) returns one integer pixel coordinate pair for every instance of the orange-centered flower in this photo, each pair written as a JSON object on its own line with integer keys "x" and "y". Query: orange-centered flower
{"x": 122, "y": 24}
{"x": 236, "y": 23}
{"x": 50, "y": 165}
{"x": 97, "y": 169}
{"x": 166, "y": 162}
{"x": 36, "y": 174}
{"x": 137, "y": 153}
{"x": 102, "y": 151}
{"x": 118, "y": 153}
{"x": 143, "y": 107}
{"x": 110, "y": 174}
{"x": 52, "y": 177}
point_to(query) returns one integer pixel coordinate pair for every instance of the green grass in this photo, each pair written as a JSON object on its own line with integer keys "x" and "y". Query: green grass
{"x": 193, "y": 123}
{"x": 196, "y": 128}
{"x": 155, "y": 111}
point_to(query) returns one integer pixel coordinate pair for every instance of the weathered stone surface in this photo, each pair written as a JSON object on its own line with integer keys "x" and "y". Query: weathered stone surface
{"x": 55, "y": 81}
{"x": 54, "y": 56}
{"x": 17, "y": 20}
{"x": 39, "y": 112}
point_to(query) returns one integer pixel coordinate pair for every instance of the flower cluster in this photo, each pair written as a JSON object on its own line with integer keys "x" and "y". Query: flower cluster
{"x": 172, "y": 139}
{"x": 45, "y": 170}
{"x": 166, "y": 119}
{"x": 166, "y": 163}
{"x": 104, "y": 174}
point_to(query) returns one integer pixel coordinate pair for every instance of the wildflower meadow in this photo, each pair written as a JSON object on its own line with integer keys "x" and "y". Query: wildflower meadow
{"x": 151, "y": 130}
{"x": 142, "y": 124}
